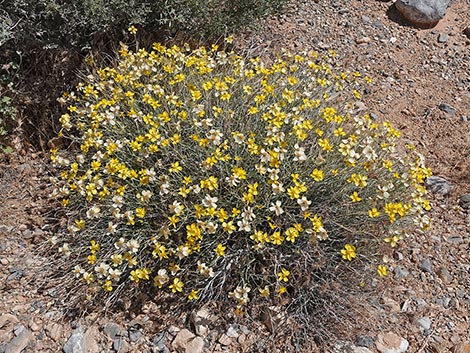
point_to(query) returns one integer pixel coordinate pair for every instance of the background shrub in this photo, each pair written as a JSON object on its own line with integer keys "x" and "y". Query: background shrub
{"x": 201, "y": 174}
{"x": 48, "y": 40}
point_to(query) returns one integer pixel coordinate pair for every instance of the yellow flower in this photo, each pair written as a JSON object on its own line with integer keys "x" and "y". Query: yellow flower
{"x": 373, "y": 213}
{"x": 193, "y": 295}
{"x": 264, "y": 292}
{"x": 173, "y": 220}
{"x": 88, "y": 277}
{"x": 325, "y": 144}
{"x": 355, "y": 197}
{"x": 107, "y": 286}
{"x": 283, "y": 275}
{"x": 281, "y": 290}
{"x": 235, "y": 212}
{"x": 229, "y": 39}
{"x": 140, "y": 212}
{"x": 176, "y": 286}
{"x": 276, "y": 238}
{"x": 132, "y": 30}
{"x": 210, "y": 183}
{"x": 349, "y": 252}
{"x": 80, "y": 223}
{"x": 175, "y": 167}
{"x": 220, "y": 250}
{"x": 291, "y": 234}
{"x": 382, "y": 270}
{"x": 393, "y": 240}
{"x": 91, "y": 259}
{"x": 94, "y": 246}
{"x": 317, "y": 174}
{"x": 134, "y": 276}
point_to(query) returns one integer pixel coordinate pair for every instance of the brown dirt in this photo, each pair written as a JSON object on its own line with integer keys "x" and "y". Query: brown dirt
{"x": 413, "y": 75}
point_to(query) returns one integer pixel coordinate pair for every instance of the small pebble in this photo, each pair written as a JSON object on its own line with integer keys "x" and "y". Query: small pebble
{"x": 426, "y": 265}
{"x": 363, "y": 40}
{"x": 401, "y": 272}
{"x": 364, "y": 341}
{"x": 425, "y": 323}
{"x": 443, "y": 38}
{"x": 447, "y": 109}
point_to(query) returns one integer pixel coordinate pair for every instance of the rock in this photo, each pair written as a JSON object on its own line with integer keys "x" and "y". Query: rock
{"x": 8, "y": 319}
{"x": 426, "y": 265}
{"x": 455, "y": 239}
{"x": 134, "y": 334}
{"x": 424, "y": 323}
{"x": 27, "y": 234}
{"x": 21, "y": 341}
{"x": 401, "y": 272}
{"x": 34, "y": 326}
{"x": 232, "y": 332}
{"x": 173, "y": 330}
{"x": 443, "y": 38}
{"x": 112, "y": 330}
{"x": 391, "y": 343}
{"x": 360, "y": 350}
{"x": 466, "y": 31}
{"x": 445, "y": 302}
{"x": 366, "y": 341}
{"x": 447, "y": 109}
{"x": 225, "y": 340}
{"x": 422, "y": 13}
{"x": 15, "y": 274}
{"x": 378, "y": 24}
{"x": 363, "y": 40}
{"x": 159, "y": 341}
{"x": 90, "y": 341}
{"x": 120, "y": 345}
{"x": 54, "y": 331}
{"x": 200, "y": 322}
{"x": 187, "y": 342}
{"x": 439, "y": 185}
{"x": 463, "y": 119}
{"x": 464, "y": 201}
{"x": 390, "y": 304}
{"x": 76, "y": 343}
{"x": 444, "y": 274}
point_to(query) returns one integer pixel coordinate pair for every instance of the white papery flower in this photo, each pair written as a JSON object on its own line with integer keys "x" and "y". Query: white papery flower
{"x": 276, "y": 208}
{"x": 304, "y": 203}
{"x": 244, "y": 225}
{"x": 93, "y": 212}
{"x": 133, "y": 245}
{"x": 210, "y": 202}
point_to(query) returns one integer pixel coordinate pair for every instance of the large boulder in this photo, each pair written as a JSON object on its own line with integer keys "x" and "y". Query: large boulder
{"x": 423, "y": 13}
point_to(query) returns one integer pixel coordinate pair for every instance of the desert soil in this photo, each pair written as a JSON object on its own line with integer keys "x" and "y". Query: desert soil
{"x": 421, "y": 84}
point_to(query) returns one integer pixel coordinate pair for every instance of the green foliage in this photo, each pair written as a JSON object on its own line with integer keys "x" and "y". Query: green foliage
{"x": 8, "y": 112}
{"x": 51, "y": 36}
{"x": 73, "y": 23}
{"x": 6, "y": 28}
{"x": 203, "y": 174}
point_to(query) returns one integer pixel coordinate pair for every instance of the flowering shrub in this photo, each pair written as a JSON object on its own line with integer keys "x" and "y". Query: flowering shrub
{"x": 205, "y": 175}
